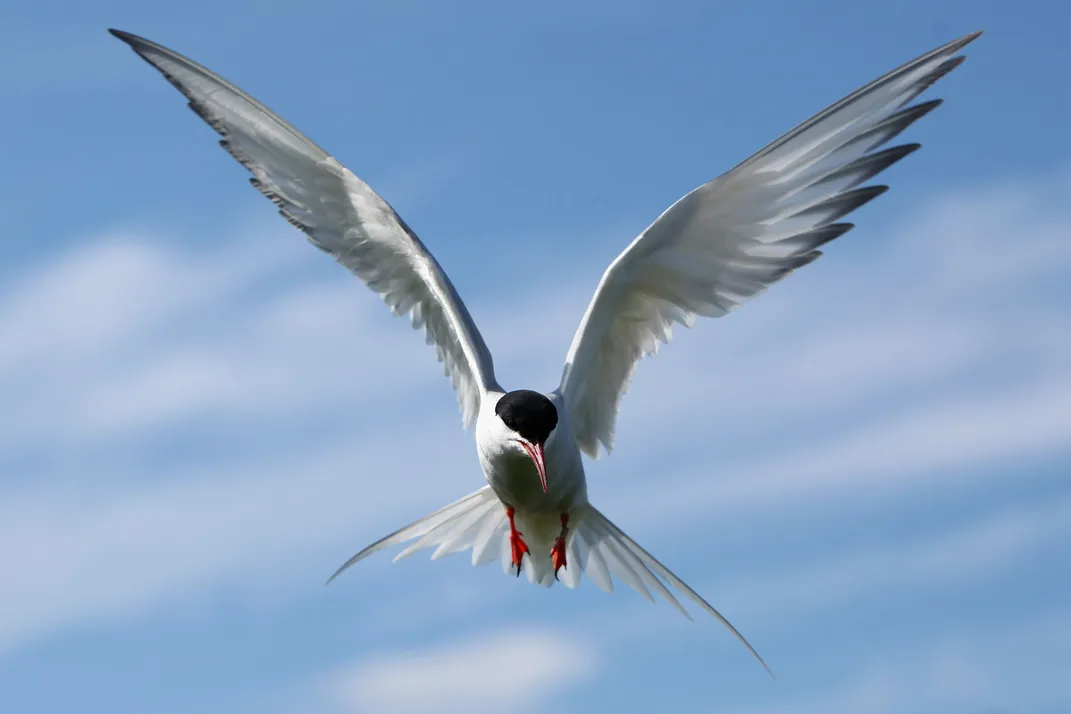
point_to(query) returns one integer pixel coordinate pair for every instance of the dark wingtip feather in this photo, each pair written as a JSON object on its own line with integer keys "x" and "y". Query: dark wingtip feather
{"x": 862, "y": 196}
{"x": 816, "y": 238}
{"x": 868, "y": 166}
{"x": 917, "y": 111}
{"x": 942, "y": 69}
{"x": 957, "y": 45}
{"x": 806, "y": 259}
{"x": 893, "y": 154}
{"x": 890, "y": 127}
{"x": 828, "y": 234}
{"x": 953, "y": 62}
{"x": 127, "y": 37}
{"x": 844, "y": 203}
{"x": 874, "y": 164}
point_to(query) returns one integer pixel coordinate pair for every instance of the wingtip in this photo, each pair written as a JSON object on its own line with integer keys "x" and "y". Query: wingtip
{"x": 128, "y": 38}
{"x": 761, "y": 661}
{"x": 962, "y": 42}
{"x": 337, "y": 573}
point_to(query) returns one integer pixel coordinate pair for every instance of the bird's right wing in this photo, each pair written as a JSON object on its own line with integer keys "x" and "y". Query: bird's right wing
{"x": 729, "y": 239}
{"x": 340, "y": 214}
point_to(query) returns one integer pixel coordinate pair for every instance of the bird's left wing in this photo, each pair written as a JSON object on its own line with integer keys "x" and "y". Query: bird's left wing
{"x": 729, "y": 239}
{"x": 340, "y": 214}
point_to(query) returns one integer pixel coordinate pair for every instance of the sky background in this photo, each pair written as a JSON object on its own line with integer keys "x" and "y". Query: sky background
{"x": 865, "y": 469}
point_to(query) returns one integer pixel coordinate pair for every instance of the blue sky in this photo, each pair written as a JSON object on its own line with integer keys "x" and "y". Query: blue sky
{"x": 865, "y": 469}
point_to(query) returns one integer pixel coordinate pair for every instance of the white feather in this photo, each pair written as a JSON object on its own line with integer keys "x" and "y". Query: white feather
{"x": 595, "y": 546}
{"x": 630, "y": 562}
{"x": 729, "y": 239}
{"x": 438, "y": 527}
{"x": 340, "y": 214}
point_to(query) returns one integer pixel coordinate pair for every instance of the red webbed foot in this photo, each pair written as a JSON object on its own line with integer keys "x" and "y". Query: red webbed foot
{"x": 518, "y": 548}
{"x": 557, "y": 552}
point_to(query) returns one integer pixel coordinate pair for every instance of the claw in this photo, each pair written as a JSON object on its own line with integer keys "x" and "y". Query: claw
{"x": 557, "y": 552}
{"x": 518, "y": 548}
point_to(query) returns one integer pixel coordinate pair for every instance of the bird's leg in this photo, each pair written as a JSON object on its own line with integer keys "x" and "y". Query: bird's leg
{"x": 557, "y": 552}
{"x": 517, "y": 546}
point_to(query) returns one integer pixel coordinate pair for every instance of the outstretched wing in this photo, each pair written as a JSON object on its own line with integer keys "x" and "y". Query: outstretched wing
{"x": 729, "y": 239}
{"x": 340, "y": 214}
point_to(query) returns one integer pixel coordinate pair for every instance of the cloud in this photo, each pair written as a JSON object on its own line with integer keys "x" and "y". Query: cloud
{"x": 938, "y": 441}
{"x": 77, "y": 556}
{"x": 81, "y": 330}
{"x": 519, "y": 669}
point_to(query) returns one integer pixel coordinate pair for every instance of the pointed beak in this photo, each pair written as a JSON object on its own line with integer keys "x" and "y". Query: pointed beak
{"x": 536, "y": 452}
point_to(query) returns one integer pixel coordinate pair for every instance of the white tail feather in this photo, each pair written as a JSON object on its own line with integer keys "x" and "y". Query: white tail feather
{"x": 609, "y": 541}
{"x": 440, "y": 528}
{"x": 594, "y": 546}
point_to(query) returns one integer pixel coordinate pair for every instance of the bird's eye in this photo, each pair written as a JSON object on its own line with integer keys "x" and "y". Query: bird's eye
{"x": 511, "y": 423}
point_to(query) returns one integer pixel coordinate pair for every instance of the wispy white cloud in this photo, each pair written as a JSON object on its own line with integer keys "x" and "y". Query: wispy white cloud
{"x": 932, "y": 443}
{"x": 520, "y": 669}
{"x": 84, "y": 329}
{"x": 89, "y": 554}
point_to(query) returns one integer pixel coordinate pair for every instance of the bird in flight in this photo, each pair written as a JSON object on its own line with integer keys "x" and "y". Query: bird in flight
{"x": 712, "y": 250}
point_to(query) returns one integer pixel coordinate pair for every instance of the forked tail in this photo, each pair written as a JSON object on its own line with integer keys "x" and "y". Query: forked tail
{"x": 594, "y": 546}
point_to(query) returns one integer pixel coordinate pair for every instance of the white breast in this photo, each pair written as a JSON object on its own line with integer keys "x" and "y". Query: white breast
{"x": 513, "y": 476}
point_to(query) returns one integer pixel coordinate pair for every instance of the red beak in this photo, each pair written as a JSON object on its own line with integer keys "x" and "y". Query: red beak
{"x": 536, "y": 452}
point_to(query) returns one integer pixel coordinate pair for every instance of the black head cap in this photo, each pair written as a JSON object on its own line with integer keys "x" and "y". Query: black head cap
{"x": 528, "y": 413}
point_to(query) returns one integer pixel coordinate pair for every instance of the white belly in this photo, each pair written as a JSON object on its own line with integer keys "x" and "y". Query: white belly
{"x": 516, "y": 482}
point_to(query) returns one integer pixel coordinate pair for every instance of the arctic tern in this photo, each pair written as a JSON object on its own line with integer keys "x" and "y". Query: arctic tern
{"x": 718, "y": 246}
